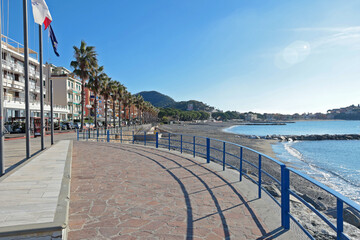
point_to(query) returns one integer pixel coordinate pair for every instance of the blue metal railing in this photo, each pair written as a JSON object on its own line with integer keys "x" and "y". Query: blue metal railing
{"x": 177, "y": 142}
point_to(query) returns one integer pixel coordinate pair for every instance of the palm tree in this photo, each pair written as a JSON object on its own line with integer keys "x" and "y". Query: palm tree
{"x": 126, "y": 102}
{"x": 114, "y": 96}
{"x": 106, "y": 90}
{"x": 139, "y": 103}
{"x": 85, "y": 61}
{"x": 95, "y": 82}
{"x": 121, "y": 89}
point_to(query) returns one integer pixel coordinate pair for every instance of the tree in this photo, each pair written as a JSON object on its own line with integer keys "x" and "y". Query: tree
{"x": 85, "y": 61}
{"x": 106, "y": 90}
{"x": 120, "y": 90}
{"x": 95, "y": 82}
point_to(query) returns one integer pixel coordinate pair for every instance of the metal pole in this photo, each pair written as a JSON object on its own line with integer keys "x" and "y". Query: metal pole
{"x": 41, "y": 89}
{"x": 2, "y": 169}
{"x": 26, "y": 70}
{"x": 52, "y": 111}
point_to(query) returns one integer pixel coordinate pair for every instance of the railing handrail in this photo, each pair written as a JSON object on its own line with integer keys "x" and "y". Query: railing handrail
{"x": 285, "y": 176}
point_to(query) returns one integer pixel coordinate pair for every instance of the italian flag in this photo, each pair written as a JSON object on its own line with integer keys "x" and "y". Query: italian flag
{"x": 41, "y": 12}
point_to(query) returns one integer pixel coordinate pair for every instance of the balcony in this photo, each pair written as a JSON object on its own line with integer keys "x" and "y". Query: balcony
{"x": 19, "y": 103}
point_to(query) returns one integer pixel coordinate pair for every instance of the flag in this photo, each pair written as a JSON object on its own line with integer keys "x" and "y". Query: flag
{"x": 41, "y": 12}
{"x": 53, "y": 41}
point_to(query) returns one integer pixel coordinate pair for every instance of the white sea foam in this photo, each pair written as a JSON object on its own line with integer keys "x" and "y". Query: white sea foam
{"x": 325, "y": 176}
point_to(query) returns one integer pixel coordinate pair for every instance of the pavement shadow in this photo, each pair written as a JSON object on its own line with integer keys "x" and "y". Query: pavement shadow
{"x": 190, "y": 220}
{"x": 229, "y": 184}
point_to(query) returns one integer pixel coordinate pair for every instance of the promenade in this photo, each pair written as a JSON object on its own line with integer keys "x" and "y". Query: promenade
{"x": 15, "y": 150}
{"x": 123, "y": 191}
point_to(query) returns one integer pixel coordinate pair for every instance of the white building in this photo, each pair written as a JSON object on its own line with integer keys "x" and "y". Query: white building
{"x": 14, "y": 82}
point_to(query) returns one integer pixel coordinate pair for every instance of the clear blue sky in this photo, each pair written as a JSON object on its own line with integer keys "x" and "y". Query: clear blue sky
{"x": 246, "y": 55}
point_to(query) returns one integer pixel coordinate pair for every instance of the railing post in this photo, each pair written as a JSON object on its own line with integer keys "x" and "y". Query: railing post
{"x": 108, "y": 136}
{"x": 208, "y": 150}
{"x": 133, "y": 140}
{"x": 194, "y": 146}
{"x": 144, "y": 138}
{"x": 77, "y": 134}
{"x": 339, "y": 219}
{"x": 224, "y": 149}
{"x": 181, "y": 143}
{"x": 285, "y": 197}
{"x": 259, "y": 180}
{"x": 121, "y": 135}
{"x": 241, "y": 163}
{"x": 169, "y": 141}
{"x": 157, "y": 139}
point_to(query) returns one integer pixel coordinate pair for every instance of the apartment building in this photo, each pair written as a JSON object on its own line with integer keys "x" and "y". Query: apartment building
{"x": 14, "y": 82}
{"x": 67, "y": 91}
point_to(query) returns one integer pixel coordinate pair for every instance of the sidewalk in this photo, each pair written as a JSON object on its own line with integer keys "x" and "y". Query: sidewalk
{"x": 134, "y": 192}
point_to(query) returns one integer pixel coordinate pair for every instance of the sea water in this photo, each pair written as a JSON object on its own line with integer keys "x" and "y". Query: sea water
{"x": 336, "y": 163}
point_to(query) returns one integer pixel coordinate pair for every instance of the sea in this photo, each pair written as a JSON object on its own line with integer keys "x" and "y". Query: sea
{"x": 335, "y": 163}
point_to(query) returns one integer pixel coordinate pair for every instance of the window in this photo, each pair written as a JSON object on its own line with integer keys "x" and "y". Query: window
{"x": 16, "y": 77}
{"x": 17, "y": 94}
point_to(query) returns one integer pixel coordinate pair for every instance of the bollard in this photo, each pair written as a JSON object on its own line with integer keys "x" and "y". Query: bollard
{"x": 133, "y": 140}
{"x": 77, "y": 134}
{"x": 97, "y": 135}
{"x": 224, "y": 156}
{"x": 241, "y": 163}
{"x": 157, "y": 140}
{"x": 108, "y": 136}
{"x": 259, "y": 180}
{"x": 208, "y": 150}
{"x": 285, "y": 197}
{"x": 194, "y": 146}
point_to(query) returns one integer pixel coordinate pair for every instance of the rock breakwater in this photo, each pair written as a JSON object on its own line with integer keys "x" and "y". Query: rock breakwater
{"x": 312, "y": 137}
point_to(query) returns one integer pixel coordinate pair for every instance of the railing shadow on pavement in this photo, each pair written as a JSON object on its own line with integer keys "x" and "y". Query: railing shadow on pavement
{"x": 248, "y": 163}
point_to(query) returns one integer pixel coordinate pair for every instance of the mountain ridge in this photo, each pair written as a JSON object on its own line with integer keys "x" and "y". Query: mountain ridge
{"x": 161, "y": 100}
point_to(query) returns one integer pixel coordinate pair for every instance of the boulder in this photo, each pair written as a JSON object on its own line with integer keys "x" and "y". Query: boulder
{"x": 273, "y": 190}
{"x": 318, "y": 205}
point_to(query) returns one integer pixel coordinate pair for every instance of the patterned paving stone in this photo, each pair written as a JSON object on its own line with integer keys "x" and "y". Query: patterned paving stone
{"x": 133, "y": 192}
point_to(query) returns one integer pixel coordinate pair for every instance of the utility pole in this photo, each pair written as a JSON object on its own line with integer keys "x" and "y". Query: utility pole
{"x": 26, "y": 69}
{"x": 52, "y": 112}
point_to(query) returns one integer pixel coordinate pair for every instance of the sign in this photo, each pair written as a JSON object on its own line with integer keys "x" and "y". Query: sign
{"x": 88, "y": 106}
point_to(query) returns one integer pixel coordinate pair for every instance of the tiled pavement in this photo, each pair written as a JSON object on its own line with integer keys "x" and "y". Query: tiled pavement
{"x": 132, "y": 192}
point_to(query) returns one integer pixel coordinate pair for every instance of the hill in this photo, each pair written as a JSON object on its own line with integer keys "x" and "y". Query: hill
{"x": 161, "y": 100}
{"x": 157, "y": 99}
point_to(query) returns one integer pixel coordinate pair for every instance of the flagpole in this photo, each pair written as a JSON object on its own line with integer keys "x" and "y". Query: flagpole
{"x": 41, "y": 88}
{"x": 52, "y": 112}
{"x": 2, "y": 169}
{"x": 26, "y": 69}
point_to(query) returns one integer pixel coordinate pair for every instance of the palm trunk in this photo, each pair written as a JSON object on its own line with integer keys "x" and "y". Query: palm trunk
{"x": 95, "y": 109}
{"x": 129, "y": 114}
{"x": 114, "y": 113}
{"x": 82, "y": 104}
{"x": 119, "y": 114}
{"x": 106, "y": 108}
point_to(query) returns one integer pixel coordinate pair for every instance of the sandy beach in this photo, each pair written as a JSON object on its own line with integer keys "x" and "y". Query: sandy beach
{"x": 215, "y": 130}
